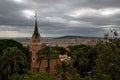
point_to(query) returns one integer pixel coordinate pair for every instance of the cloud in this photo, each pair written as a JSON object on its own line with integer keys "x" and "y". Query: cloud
{"x": 13, "y": 34}
{"x": 59, "y": 17}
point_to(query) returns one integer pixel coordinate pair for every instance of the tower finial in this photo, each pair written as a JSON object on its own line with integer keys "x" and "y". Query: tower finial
{"x": 36, "y": 25}
{"x": 35, "y": 14}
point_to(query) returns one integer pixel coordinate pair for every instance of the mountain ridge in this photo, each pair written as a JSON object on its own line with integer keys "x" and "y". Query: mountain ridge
{"x": 72, "y": 37}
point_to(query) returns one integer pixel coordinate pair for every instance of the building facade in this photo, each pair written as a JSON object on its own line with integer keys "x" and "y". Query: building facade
{"x": 35, "y": 47}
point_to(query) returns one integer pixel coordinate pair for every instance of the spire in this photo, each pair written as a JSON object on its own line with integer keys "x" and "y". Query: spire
{"x": 36, "y": 36}
{"x": 36, "y": 25}
{"x": 35, "y": 15}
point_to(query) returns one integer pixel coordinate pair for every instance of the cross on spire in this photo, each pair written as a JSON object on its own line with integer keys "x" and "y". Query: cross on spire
{"x": 35, "y": 15}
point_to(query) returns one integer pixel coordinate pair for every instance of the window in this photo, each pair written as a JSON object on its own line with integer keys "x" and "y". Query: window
{"x": 33, "y": 59}
{"x": 37, "y": 69}
{"x": 46, "y": 69}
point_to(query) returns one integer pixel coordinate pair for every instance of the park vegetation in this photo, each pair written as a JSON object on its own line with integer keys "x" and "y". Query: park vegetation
{"x": 86, "y": 62}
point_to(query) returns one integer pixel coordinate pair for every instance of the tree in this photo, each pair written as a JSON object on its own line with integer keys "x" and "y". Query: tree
{"x": 106, "y": 35}
{"x": 80, "y": 61}
{"x": 48, "y": 53}
{"x": 108, "y": 62}
{"x": 12, "y": 61}
{"x": 64, "y": 70}
{"x": 59, "y": 50}
{"x": 6, "y": 43}
{"x": 31, "y": 76}
{"x": 78, "y": 54}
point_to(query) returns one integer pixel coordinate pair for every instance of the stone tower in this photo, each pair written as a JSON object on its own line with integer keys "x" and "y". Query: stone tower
{"x": 35, "y": 46}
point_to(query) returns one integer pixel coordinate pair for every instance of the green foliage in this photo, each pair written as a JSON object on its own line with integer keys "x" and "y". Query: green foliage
{"x": 31, "y": 76}
{"x": 64, "y": 70}
{"x": 98, "y": 62}
{"x": 46, "y": 53}
{"x": 6, "y": 43}
{"x": 59, "y": 50}
{"x": 49, "y": 53}
{"x": 76, "y": 47}
{"x": 108, "y": 62}
{"x": 12, "y": 61}
{"x": 89, "y": 78}
{"x": 78, "y": 54}
{"x": 101, "y": 60}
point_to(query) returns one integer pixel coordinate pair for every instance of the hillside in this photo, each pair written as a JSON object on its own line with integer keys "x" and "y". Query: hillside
{"x": 73, "y": 37}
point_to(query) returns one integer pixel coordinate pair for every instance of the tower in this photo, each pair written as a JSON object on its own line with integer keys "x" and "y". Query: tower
{"x": 35, "y": 46}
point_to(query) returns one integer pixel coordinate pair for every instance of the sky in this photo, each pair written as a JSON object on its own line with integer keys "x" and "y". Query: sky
{"x": 57, "y": 18}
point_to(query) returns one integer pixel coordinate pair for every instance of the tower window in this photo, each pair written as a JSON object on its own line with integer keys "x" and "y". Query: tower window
{"x": 46, "y": 69}
{"x": 33, "y": 59}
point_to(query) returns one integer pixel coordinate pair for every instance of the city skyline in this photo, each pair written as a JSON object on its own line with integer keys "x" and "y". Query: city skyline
{"x": 59, "y": 17}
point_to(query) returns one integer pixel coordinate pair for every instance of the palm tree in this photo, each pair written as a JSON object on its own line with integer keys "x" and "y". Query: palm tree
{"x": 80, "y": 60}
{"x": 12, "y": 61}
{"x": 59, "y": 50}
{"x": 64, "y": 70}
{"x": 46, "y": 53}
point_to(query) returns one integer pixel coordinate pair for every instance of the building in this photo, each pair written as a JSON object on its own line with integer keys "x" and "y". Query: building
{"x": 35, "y": 47}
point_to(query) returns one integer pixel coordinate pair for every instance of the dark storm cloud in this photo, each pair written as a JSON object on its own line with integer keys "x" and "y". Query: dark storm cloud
{"x": 79, "y": 31}
{"x": 99, "y": 20}
{"x": 60, "y": 17}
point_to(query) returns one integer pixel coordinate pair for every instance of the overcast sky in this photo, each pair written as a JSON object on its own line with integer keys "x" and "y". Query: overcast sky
{"x": 59, "y": 17}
